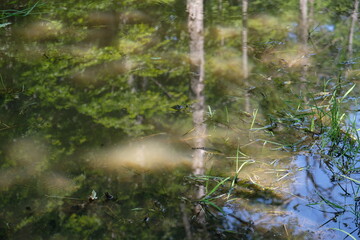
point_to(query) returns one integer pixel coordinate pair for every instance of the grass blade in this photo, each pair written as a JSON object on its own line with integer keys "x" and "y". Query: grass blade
{"x": 344, "y": 232}
{"x": 215, "y": 188}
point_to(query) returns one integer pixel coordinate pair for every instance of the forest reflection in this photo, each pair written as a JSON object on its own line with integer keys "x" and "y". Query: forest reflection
{"x": 173, "y": 119}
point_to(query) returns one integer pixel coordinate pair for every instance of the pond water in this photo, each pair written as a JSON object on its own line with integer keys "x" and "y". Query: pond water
{"x": 96, "y": 121}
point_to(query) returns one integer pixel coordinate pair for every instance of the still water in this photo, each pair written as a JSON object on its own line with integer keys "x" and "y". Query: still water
{"x": 97, "y": 140}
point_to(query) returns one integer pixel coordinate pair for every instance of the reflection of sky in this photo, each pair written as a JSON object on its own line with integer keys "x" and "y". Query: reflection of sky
{"x": 305, "y": 212}
{"x": 328, "y": 27}
{"x": 292, "y": 36}
{"x": 314, "y": 181}
{"x": 354, "y": 116}
{"x": 325, "y": 27}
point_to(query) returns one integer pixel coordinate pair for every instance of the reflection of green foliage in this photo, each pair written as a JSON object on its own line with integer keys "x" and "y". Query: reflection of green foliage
{"x": 82, "y": 226}
{"x": 95, "y": 83}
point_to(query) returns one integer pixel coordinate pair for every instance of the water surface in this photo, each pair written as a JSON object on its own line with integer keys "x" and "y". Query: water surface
{"x": 92, "y": 146}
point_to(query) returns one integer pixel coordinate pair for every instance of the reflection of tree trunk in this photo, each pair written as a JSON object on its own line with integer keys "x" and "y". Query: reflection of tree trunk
{"x": 197, "y": 86}
{"x": 303, "y": 37}
{"x": 245, "y": 64}
{"x": 134, "y": 86}
{"x": 311, "y": 13}
{"x": 220, "y": 8}
{"x": 303, "y": 21}
{"x": 245, "y": 39}
{"x": 186, "y": 221}
{"x": 131, "y": 82}
{"x": 354, "y": 17}
{"x": 195, "y": 9}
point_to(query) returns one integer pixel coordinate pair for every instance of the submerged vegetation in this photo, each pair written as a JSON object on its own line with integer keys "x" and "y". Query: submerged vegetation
{"x": 96, "y": 121}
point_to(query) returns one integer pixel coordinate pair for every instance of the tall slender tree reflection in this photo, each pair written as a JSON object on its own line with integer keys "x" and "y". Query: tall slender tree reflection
{"x": 245, "y": 38}
{"x": 354, "y": 17}
{"x": 197, "y": 86}
{"x": 303, "y": 26}
{"x": 245, "y": 64}
{"x": 303, "y": 39}
{"x": 195, "y": 25}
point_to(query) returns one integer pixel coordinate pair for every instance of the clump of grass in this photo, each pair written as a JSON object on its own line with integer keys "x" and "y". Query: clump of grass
{"x": 339, "y": 139}
{"x": 339, "y": 144}
{"x": 5, "y": 14}
{"x": 325, "y": 125}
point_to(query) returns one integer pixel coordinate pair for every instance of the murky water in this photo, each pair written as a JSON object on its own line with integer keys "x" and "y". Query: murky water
{"x": 97, "y": 140}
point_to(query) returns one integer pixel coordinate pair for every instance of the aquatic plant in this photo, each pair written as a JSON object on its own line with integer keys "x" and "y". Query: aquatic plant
{"x": 8, "y": 13}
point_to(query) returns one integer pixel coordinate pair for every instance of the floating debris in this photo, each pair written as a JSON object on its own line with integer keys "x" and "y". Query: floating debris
{"x": 92, "y": 197}
{"x": 179, "y": 107}
{"x": 109, "y": 196}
